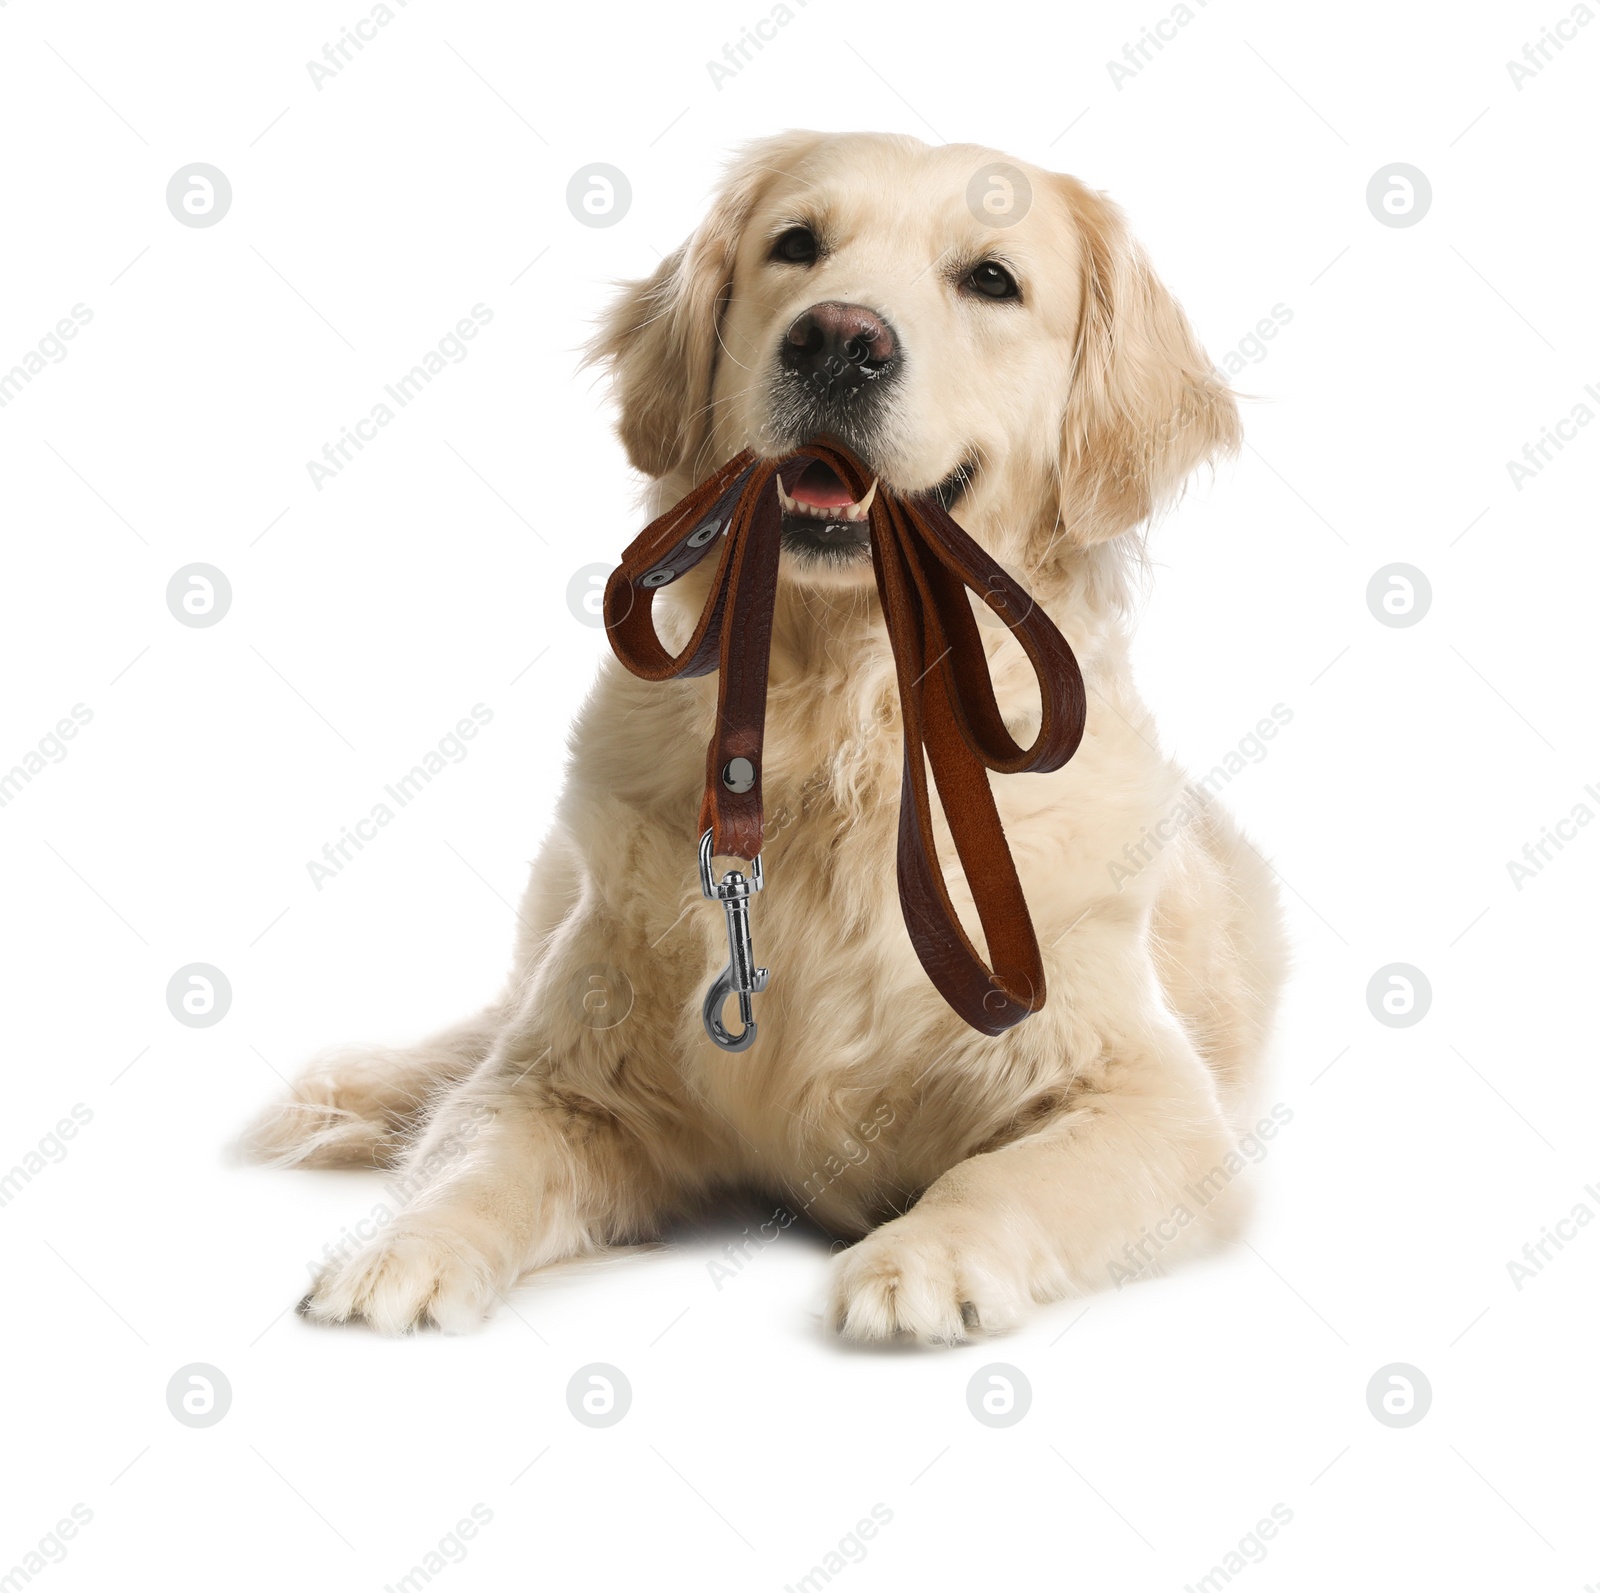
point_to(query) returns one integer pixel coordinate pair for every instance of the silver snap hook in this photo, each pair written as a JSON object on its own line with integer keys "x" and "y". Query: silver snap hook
{"x": 741, "y": 977}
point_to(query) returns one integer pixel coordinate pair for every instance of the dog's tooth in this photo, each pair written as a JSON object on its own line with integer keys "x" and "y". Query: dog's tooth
{"x": 842, "y": 513}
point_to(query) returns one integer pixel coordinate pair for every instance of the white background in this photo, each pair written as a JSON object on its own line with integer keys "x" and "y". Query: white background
{"x": 367, "y": 218}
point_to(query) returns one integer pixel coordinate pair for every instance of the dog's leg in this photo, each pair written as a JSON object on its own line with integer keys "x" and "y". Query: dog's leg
{"x": 1124, "y": 1175}
{"x": 528, "y": 1162}
{"x": 357, "y": 1107}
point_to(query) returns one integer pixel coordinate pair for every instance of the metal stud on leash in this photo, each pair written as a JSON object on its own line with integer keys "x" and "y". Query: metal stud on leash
{"x": 741, "y": 977}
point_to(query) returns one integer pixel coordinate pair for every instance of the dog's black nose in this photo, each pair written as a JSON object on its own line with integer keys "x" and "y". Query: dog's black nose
{"x": 839, "y": 347}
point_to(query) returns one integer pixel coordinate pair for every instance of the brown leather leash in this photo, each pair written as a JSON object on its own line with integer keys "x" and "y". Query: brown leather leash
{"x": 925, "y": 564}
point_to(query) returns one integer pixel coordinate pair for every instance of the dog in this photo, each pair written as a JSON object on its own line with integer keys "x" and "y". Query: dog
{"x": 1018, "y": 358}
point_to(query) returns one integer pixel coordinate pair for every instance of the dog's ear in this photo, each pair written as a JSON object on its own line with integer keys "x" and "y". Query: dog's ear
{"x": 1147, "y": 406}
{"x": 659, "y": 339}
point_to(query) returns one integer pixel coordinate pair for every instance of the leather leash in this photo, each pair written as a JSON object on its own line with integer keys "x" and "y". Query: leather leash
{"x": 924, "y": 563}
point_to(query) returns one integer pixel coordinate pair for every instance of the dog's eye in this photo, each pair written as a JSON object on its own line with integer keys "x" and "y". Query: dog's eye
{"x": 798, "y": 246}
{"x": 993, "y": 281}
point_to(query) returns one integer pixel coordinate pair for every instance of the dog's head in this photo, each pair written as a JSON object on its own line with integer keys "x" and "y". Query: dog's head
{"x": 971, "y": 326}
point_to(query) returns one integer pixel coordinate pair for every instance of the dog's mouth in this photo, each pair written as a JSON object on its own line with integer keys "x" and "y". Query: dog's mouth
{"x": 823, "y": 521}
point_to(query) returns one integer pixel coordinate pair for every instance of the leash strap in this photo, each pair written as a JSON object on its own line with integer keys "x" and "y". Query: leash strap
{"x": 924, "y": 564}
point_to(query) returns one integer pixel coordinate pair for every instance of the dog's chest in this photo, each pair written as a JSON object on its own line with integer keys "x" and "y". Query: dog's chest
{"x": 863, "y": 1085}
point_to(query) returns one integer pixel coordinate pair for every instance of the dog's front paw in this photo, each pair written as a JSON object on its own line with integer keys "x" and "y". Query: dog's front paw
{"x": 411, "y": 1275}
{"x": 922, "y": 1276}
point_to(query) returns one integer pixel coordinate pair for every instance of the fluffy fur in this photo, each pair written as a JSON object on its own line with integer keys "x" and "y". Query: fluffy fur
{"x": 974, "y": 1175}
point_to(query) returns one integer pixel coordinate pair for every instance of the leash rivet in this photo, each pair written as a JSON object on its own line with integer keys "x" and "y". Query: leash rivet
{"x": 738, "y": 774}
{"x": 655, "y": 578}
{"x": 699, "y": 538}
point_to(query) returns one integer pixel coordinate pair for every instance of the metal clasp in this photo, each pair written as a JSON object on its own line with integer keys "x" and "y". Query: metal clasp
{"x": 741, "y": 977}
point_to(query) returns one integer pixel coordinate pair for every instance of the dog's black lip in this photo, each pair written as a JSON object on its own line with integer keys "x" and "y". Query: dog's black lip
{"x": 950, "y": 491}
{"x": 826, "y": 541}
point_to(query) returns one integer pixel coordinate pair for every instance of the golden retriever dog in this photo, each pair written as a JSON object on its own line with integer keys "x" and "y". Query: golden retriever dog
{"x": 1025, "y": 364}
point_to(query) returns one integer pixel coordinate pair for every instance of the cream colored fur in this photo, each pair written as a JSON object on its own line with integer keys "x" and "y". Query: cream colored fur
{"x": 974, "y": 1174}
